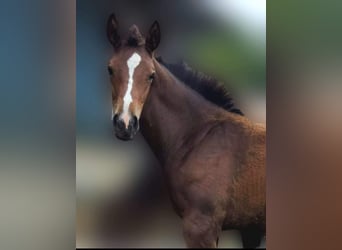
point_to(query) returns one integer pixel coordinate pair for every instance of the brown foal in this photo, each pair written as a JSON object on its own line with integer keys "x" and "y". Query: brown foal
{"x": 213, "y": 157}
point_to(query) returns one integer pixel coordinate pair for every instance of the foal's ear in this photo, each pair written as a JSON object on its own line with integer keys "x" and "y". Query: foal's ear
{"x": 153, "y": 38}
{"x": 112, "y": 31}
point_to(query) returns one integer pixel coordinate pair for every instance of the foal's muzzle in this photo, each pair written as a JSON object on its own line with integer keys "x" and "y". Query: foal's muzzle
{"x": 124, "y": 132}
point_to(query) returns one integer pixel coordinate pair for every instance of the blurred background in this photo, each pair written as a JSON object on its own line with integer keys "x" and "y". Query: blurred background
{"x": 38, "y": 122}
{"x": 121, "y": 197}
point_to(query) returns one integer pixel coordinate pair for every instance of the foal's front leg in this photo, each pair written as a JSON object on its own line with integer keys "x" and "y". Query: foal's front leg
{"x": 200, "y": 231}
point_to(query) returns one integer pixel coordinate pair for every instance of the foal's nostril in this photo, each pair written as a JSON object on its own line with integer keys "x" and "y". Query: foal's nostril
{"x": 118, "y": 123}
{"x": 135, "y": 123}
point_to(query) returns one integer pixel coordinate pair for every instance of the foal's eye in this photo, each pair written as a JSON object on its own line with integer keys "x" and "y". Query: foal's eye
{"x": 110, "y": 70}
{"x": 151, "y": 77}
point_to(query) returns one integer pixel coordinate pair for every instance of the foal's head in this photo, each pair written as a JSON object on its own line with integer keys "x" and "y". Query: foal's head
{"x": 131, "y": 72}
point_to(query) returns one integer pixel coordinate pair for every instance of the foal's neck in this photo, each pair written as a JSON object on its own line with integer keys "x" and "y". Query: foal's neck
{"x": 172, "y": 112}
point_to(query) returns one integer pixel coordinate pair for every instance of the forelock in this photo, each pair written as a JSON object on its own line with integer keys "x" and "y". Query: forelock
{"x": 135, "y": 38}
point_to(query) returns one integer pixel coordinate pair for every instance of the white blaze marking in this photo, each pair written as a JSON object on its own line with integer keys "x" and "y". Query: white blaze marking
{"x": 132, "y": 63}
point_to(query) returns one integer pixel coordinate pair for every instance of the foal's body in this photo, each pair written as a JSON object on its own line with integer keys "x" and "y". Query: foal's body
{"x": 212, "y": 156}
{"x": 213, "y": 160}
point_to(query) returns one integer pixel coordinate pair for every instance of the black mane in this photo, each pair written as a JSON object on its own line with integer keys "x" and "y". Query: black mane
{"x": 208, "y": 87}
